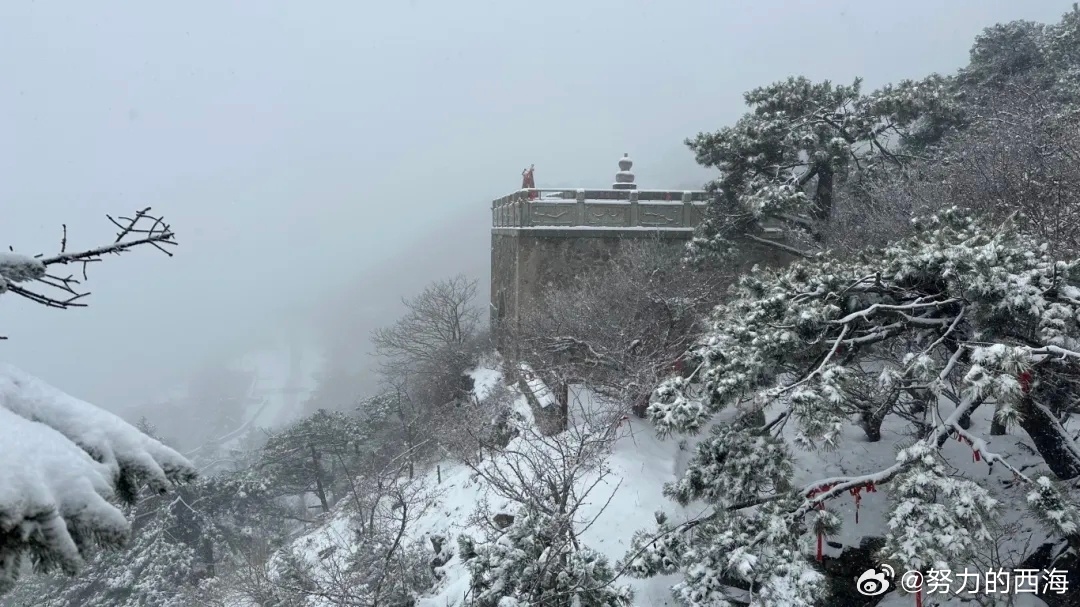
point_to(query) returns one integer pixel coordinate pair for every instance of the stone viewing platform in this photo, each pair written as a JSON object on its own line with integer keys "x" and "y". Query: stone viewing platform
{"x": 542, "y": 238}
{"x": 623, "y": 207}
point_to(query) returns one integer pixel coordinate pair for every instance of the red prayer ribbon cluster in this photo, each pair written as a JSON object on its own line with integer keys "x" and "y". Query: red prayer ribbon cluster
{"x": 1025, "y": 379}
{"x": 975, "y": 455}
{"x": 856, "y": 491}
{"x": 820, "y": 506}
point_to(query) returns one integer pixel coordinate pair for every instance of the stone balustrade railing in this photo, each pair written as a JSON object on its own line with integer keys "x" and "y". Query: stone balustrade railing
{"x": 641, "y": 209}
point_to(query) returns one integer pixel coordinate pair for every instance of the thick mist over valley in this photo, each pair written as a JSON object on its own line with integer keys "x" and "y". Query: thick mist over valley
{"x": 302, "y": 154}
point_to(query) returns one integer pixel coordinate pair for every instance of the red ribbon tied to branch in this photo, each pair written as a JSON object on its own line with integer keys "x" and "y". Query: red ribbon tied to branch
{"x": 820, "y": 506}
{"x": 857, "y": 493}
{"x": 976, "y": 456}
{"x": 1025, "y": 382}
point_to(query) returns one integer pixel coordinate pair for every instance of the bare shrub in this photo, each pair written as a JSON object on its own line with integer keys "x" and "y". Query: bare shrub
{"x": 436, "y": 331}
{"x": 548, "y": 470}
{"x": 424, "y": 358}
{"x": 373, "y": 564}
{"x": 536, "y": 554}
{"x": 1019, "y": 157}
{"x": 482, "y": 426}
{"x": 622, "y": 327}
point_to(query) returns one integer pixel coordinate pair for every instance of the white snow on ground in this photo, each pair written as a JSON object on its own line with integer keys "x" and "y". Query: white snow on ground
{"x": 639, "y": 465}
{"x": 449, "y": 519}
{"x": 858, "y": 456}
{"x": 335, "y": 533}
{"x": 485, "y": 378}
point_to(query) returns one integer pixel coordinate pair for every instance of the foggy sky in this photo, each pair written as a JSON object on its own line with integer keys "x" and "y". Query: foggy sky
{"x": 307, "y": 149}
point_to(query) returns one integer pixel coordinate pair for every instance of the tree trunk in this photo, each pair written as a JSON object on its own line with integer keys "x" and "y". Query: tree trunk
{"x": 757, "y": 418}
{"x": 562, "y": 398}
{"x": 871, "y": 424}
{"x": 1057, "y": 555}
{"x": 997, "y": 428}
{"x": 823, "y": 194}
{"x": 320, "y": 491}
{"x": 965, "y": 419}
{"x": 1049, "y": 438}
{"x": 208, "y": 557}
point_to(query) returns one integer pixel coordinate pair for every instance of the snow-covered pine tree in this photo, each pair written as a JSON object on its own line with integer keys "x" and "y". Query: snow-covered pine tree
{"x": 318, "y": 455}
{"x": 959, "y": 316}
{"x": 180, "y": 540}
{"x": 1022, "y": 55}
{"x": 782, "y": 162}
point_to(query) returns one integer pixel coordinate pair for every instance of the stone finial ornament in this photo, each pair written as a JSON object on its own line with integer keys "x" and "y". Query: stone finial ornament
{"x": 624, "y": 179}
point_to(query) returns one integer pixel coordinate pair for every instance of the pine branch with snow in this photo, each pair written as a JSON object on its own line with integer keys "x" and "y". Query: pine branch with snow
{"x": 936, "y": 520}
{"x": 737, "y": 464}
{"x": 960, "y": 316}
{"x": 730, "y": 559}
{"x": 63, "y": 460}
{"x": 1028, "y": 56}
{"x": 318, "y": 455}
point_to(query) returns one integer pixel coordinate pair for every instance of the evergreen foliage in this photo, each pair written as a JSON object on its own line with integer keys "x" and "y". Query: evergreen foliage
{"x": 537, "y": 562}
{"x": 781, "y": 163}
{"x": 958, "y": 316}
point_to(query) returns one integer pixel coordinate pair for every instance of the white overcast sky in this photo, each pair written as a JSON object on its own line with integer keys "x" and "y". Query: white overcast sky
{"x": 299, "y": 147}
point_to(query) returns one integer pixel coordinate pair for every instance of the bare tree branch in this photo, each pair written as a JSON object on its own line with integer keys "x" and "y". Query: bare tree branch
{"x": 64, "y": 292}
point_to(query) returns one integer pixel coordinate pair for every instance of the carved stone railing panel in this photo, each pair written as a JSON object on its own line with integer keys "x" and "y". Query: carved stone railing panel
{"x": 552, "y": 214}
{"x": 661, "y": 215}
{"x": 607, "y": 215}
